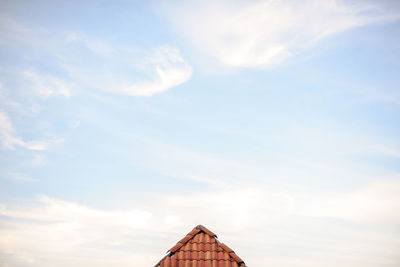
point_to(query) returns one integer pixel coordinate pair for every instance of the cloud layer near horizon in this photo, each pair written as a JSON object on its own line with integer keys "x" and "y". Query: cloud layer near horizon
{"x": 66, "y": 233}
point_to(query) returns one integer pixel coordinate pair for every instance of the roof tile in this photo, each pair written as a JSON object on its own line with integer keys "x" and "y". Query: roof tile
{"x": 200, "y": 248}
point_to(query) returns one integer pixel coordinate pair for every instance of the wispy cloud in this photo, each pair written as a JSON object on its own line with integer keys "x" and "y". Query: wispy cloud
{"x": 260, "y": 34}
{"x": 192, "y": 165}
{"x": 46, "y": 85}
{"x": 318, "y": 155}
{"x": 36, "y": 161}
{"x": 135, "y": 72}
{"x": 43, "y": 145}
{"x": 376, "y": 202}
{"x": 57, "y": 210}
{"x": 170, "y": 70}
{"x": 94, "y": 45}
{"x": 17, "y": 176}
{"x": 390, "y": 151}
{"x": 97, "y": 62}
{"x": 9, "y": 138}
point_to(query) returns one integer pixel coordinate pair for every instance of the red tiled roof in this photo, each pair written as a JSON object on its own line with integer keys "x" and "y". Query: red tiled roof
{"x": 200, "y": 248}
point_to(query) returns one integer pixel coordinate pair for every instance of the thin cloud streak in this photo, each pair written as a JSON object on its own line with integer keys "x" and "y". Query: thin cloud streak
{"x": 128, "y": 71}
{"x": 46, "y": 85}
{"x": 171, "y": 70}
{"x": 324, "y": 155}
{"x": 16, "y": 176}
{"x": 7, "y": 133}
{"x": 97, "y": 63}
{"x": 9, "y": 139}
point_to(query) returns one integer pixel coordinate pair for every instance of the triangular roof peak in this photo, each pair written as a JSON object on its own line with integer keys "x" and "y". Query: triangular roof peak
{"x": 200, "y": 248}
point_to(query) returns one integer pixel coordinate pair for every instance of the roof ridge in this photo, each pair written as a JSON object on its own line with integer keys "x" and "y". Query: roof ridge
{"x": 199, "y": 228}
{"x": 204, "y": 229}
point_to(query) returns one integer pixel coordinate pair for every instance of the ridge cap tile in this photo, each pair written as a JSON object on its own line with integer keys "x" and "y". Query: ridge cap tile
{"x": 207, "y": 231}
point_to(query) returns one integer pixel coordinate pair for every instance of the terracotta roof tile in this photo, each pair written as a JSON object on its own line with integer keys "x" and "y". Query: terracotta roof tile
{"x": 200, "y": 248}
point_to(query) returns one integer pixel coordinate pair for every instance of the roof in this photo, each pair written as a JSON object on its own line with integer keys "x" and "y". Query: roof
{"x": 200, "y": 248}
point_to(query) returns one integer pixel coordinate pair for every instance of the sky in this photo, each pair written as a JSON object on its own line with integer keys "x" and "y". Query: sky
{"x": 274, "y": 123}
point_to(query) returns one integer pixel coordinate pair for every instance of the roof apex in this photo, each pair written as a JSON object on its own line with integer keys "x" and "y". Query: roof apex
{"x": 193, "y": 248}
{"x": 204, "y": 229}
{"x": 199, "y": 228}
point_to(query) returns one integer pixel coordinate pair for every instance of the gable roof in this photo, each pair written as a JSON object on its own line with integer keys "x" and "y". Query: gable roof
{"x": 200, "y": 248}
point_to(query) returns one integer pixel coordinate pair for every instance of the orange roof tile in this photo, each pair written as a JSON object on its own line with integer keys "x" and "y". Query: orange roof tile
{"x": 200, "y": 248}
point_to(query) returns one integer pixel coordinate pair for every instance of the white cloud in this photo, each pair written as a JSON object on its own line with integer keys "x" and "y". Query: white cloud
{"x": 16, "y": 176}
{"x": 324, "y": 156}
{"x": 7, "y": 133}
{"x": 170, "y": 70}
{"x": 63, "y": 211}
{"x": 94, "y": 45}
{"x": 188, "y": 164}
{"x": 98, "y": 63}
{"x": 264, "y": 33}
{"x": 64, "y": 233}
{"x": 37, "y": 161}
{"x": 37, "y": 145}
{"x": 133, "y": 71}
{"x": 46, "y": 85}
{"x": 43, "y": 145}
{"x": 76, "y": 123}
{"x": 123, "y": 70}
{"x": 9, "y": 139}
{"x": 390, "y": 151}
{"x": 376, "y": 202}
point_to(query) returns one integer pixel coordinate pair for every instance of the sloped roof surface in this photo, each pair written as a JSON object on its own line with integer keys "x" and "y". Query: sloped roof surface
{"x": 200, "y": 248}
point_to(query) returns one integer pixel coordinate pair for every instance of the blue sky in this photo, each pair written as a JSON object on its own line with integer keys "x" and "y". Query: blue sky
{"x": 275, "y": 124}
